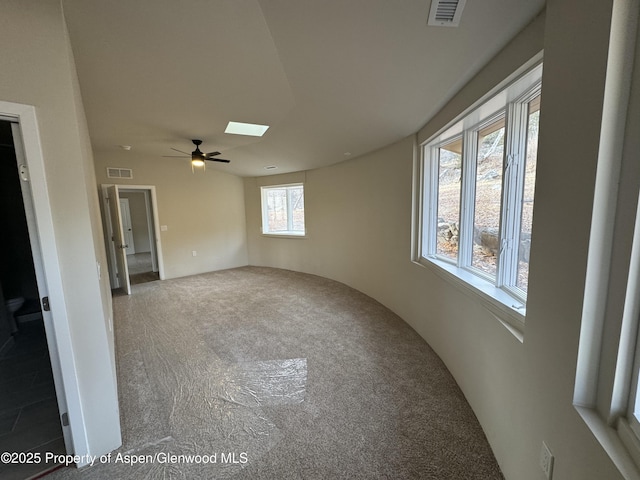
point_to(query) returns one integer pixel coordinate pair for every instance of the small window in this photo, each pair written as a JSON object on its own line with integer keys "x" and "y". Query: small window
{"x": 283, "y": 210}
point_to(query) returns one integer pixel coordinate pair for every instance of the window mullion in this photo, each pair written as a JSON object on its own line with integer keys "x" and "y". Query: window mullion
{"x": 467, "y": 194}
{"x": 289, "y": 210}
{"x": 512, "y": 194}
{"x": 431, "y": 177}
{"x": 265, "y": 211}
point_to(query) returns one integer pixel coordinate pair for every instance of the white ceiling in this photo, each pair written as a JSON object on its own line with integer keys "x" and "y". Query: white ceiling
{"x": 328, "y": 76}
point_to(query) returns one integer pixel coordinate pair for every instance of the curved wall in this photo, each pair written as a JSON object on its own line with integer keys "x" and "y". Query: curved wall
{"x": 358, "y": 216}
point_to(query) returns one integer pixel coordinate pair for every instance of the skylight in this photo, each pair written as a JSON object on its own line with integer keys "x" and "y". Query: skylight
{"x": 239, "y": 128}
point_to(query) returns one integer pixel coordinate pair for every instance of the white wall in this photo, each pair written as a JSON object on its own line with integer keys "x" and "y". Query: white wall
{"x": 37, "y": 68}
{"x": 358, "y": 216}
{"x": 203, "y": 211}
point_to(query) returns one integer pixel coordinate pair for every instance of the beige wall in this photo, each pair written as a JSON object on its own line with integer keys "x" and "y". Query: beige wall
{"x": 203, "y": 211}
{"x": 359, "y": 232}
{"x": 37, "y": 69}
{"x": 358, "y": 217}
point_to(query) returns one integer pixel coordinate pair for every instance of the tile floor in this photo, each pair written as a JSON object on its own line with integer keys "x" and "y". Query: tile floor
{"x": 29, "y": 420}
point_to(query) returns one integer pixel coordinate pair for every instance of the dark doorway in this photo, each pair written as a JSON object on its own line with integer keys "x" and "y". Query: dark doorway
{"x": 29, "y": 416}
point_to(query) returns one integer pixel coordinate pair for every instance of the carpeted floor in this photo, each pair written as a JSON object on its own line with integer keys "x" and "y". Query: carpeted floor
{"x": 272, "y": 374}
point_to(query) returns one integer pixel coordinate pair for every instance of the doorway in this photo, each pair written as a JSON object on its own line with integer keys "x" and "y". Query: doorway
{"x": 29, "y": 405}
{"x": 132, "y": 235}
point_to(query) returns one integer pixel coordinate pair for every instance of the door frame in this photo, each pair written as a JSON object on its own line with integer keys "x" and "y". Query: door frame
{"x": 150, "y": 223}
{"x": 152, "y": 209}
{"x": 48, "y": 275}
{"x": 118, "y": 240}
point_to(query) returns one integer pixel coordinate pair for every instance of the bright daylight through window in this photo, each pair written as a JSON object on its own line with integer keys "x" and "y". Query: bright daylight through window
{"x": 283, "y": 210}
{"x": 477, "y": 190}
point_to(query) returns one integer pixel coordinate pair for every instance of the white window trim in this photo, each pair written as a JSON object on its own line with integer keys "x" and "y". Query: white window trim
{"x": 605, "y": 391}
{"x": 626, "y": 382}
{"x": 264, "y": 213}
{"x": 302, "y": 236}
{"x": 506, "y": 303}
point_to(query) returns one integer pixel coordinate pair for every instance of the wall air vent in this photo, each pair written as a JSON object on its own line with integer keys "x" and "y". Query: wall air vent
{"x": 445, "y": 13}
{"x": 113, "y": 172}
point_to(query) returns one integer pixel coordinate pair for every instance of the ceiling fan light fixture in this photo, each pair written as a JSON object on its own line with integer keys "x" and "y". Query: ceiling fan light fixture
{"x": 251, "y": 129}
{"x": 198, "y": 158}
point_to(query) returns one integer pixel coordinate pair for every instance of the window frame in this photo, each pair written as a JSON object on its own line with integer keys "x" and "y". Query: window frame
{"x": 628, "y": 368}
{"x": 609, "y": 347}
{"x": 290, "y": 232}
{"x": 501, "y": 295}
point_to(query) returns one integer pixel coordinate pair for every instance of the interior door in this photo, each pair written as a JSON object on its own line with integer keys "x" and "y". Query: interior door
{"x": 119, "y": 240}
{"x": 127, "y": 228}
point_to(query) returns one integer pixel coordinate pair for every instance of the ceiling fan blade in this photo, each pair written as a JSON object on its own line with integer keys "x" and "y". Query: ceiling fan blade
{"x": 186, "y": 153}
{"x": 176, "y": 156}
{"x": 213, "y": 154}
{"x": 219, "y": 160}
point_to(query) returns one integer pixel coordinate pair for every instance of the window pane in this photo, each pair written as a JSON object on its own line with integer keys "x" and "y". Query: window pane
{"x": 449, "y": 176}
{"x": 486, "y": 217}
{"x": 283, "y": 210}
{"x": 297, "y": 208}
{"x": 277, "y": 209}
{"x": 527, "y": 197}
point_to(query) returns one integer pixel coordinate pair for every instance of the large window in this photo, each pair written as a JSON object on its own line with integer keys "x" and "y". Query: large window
{"x": 477, "y": 191}
{"x": 283, "y": 210}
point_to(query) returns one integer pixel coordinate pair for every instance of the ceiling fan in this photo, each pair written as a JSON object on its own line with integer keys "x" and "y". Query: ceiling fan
{"x": 198, "y": 157}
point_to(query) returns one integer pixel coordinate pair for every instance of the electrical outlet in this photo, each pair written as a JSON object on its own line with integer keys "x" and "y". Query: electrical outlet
{"x": 546, "y": 461}
{"x": 194, "y": 253}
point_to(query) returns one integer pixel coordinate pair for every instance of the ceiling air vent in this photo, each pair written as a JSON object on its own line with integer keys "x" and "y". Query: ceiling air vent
{"x": 113, "y": 172}
{"x": 445, "y": 13}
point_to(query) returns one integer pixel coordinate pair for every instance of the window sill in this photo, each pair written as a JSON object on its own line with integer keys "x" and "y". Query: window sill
{"x": 612, "y": 441}
{"x": 502, "y": 306}
{"x": 285, "y": 235}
